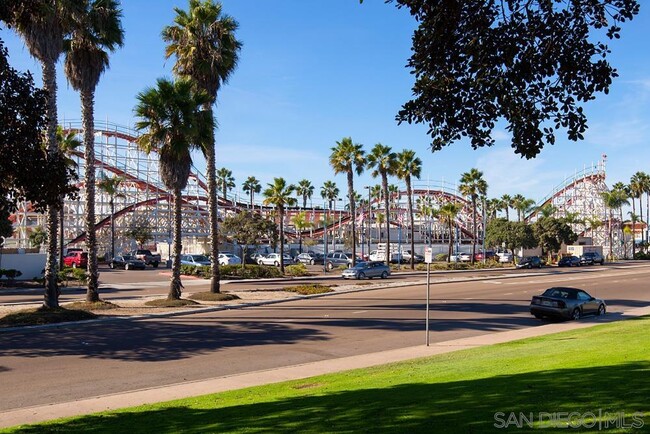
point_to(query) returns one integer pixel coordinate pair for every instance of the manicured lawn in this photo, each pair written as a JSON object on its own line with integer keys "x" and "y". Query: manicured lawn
{"x": 604, "y": 368}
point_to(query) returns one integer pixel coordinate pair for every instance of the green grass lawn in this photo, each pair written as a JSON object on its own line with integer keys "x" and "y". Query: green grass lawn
{"x": 604, "y": 368}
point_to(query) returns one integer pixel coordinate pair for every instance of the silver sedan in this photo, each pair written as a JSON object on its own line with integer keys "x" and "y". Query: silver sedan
{"x": 367, "y": 269}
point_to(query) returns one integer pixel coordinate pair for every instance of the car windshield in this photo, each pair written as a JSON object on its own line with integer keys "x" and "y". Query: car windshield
{"x": 200, "y": 258}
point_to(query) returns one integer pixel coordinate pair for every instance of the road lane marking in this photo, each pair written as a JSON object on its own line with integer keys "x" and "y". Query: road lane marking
{"x": 360, "y": 311}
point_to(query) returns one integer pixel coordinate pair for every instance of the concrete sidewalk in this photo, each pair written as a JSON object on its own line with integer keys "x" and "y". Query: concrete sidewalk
{"x": 196, "y": 388}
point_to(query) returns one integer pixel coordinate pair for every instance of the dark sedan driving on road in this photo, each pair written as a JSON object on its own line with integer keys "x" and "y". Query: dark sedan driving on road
{"x": 568, "y": 303}
{"x": 367, "y": 269}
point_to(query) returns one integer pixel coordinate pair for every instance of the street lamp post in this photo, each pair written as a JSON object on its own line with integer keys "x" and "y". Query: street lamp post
{"x": 369, "y": 214}
{"x": 324, "y": 237}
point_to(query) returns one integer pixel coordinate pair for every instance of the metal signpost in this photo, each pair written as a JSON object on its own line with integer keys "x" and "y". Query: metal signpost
{"x": 428, "y": 258}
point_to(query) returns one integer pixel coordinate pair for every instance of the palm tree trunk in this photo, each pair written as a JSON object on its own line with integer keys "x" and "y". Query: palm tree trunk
{"x": 87, "y": 97}
{"x": 451, "y": 240}
{"x": 112, "y": 228}
{"x": 611, "y": 236}
{"x": 61, "y": 237}
{"x": 633, "y": 227}
{"x": 409, "y": 194}
{"x": 384, "y": 186}
{"x": 353, "y": 214}
{"x": 641, "y": 215}
{"x": 175, "y": 285}
{"x": 212, "y": 210}
{"x": 473, "y": 228}
{"x": 281, "y": 212}
{"x": 51, "y": 297}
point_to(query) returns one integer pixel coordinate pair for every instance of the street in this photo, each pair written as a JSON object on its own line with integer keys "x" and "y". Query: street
{"x": 69, "y": 362}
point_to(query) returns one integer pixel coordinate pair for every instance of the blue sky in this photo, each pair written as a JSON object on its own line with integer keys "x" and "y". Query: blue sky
{"x": 313, "y": 72}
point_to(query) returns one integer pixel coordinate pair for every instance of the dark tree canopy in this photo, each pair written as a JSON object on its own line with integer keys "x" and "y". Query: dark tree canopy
{"x": 551, "y": 233}
{"x": 532, "y": 63}
{"x": 27, "y": 173}
{"x": 513, "y": 234}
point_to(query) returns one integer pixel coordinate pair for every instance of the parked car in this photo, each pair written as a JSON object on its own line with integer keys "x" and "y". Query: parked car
{"x": 76, "y": 259}
{"x": 405, "y": 257}
{"x": 310, "y": 258}
{"x": 229, "y": 259}
{"x": 195, "y": 260}
{"x": 274, "y": 259}
{"x": 489, "y": 255}
{"x": 146, "y": 256}
{"x": 591, "y": 258}
{"x": 464, "y": 257}
{"x": 335, "y": 259}
{"x": 569, "y": 261}
{"x": 568, "y": 303}
{"x": 505, "y": 257}
{"x": 367, "y": 269}
{"x": 530, "y": 262}
{"x": 254, "y": 258}
{"x": 127, "y": 262}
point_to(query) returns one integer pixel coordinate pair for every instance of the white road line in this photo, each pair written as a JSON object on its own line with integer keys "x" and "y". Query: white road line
{"x": 360, "y": 311}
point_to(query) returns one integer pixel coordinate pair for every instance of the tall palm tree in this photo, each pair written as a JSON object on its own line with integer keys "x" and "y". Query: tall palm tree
{"x": 473, "y": 185}
{"x": 382, "y": 160}
{"x": 645, "y": 183}
{"x": 447, "y": 214}
{"x": 614, "y": 200}
{"x": 348, "y": 158}
{"x": 173, "y": 122}
{"x": 251, "y": 186}
{"x": 225, "y": 181}
{"x": 409, "y": 165}
{"x": 206, "y": 50}
{"x": 279, "y": 194}
{"x": 111, "y": 186}
{"x": 96, "y": 31}
{"x": 547, "y": 210}
{"x": 329, "y": 191}
{"x": 506, "y": 202}
{"x": 43, "y": 24}
{"x": 305, "y": 190}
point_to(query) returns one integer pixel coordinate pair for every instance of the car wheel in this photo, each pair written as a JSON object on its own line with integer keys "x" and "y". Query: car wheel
{"x": 539, "y": 266}
{"x": 575, "y": 315}
{"x": 311, "y": 262}
{"x": 361, "y": 276}
{"x": 276, "y": 263}
{"x": 74, "y": 265}
{"x": 155, "y": 265}
{"x": 530, "y": 266}
{"x": 602, "y": 310}
{"x": 111, "y": 265}
{"x": 259, "y": 262}
{"x": 330, "y": 266}
{"x": 127, "y": 267}
{"x": 602, "y": 262}
{"x": 384, "y": 275}
{"x": 538, "y": 316}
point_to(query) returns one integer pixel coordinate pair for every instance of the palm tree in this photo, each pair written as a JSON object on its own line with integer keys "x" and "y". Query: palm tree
{"x": 409, "y": 165}
{"x": 329, "y": 191}
{"x": 348, "y": 158}
{"x": 635, "y": 218}
{"x": 547, "y": 210}
{"x": 645, "y": 185}
{"x": 301, "y": 223}
{"x": 225, "y": 180}
{"x": 613, "y": 199}
{"x": 304, "y": 189}
{"x": 97, "y": 30}
{"x": 473, "y": 185}
{"x": 382, "y": 160}
{"x": 506, "y": 202}
{"x": 206, "y": 50}
{"x": 110, "y": 186}
{"x": 279, "y": 194}
{"x": 447, "y": 214}
{"x": 251, "y": 186}
{"x": 173, "y": 123}
{"x": 42, "y": 25}
{"x": 637, "y": 188}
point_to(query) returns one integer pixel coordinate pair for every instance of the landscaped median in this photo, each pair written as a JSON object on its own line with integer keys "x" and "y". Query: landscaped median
{"x": 594, "y": 378}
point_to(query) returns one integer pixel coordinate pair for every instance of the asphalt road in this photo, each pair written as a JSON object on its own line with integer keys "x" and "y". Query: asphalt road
{"x": 60, "y": 364}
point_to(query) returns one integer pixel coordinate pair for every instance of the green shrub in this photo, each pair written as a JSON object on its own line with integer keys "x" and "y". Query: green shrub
{"x": 440, "y": 257}
{"x": 67, "y": 274}
{"x": 11, "y": 273}
{"x": 296, "y": 270}
{"x": 314, "y": 288}
{"x": 189, "y": 270}
{"x": 249, "y": 272}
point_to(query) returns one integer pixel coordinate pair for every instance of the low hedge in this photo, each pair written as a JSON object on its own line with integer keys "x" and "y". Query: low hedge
{"x": 296, "y": 270}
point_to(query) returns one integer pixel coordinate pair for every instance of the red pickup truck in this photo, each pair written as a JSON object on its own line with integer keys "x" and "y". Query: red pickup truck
{"x": 76, "y": 259}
